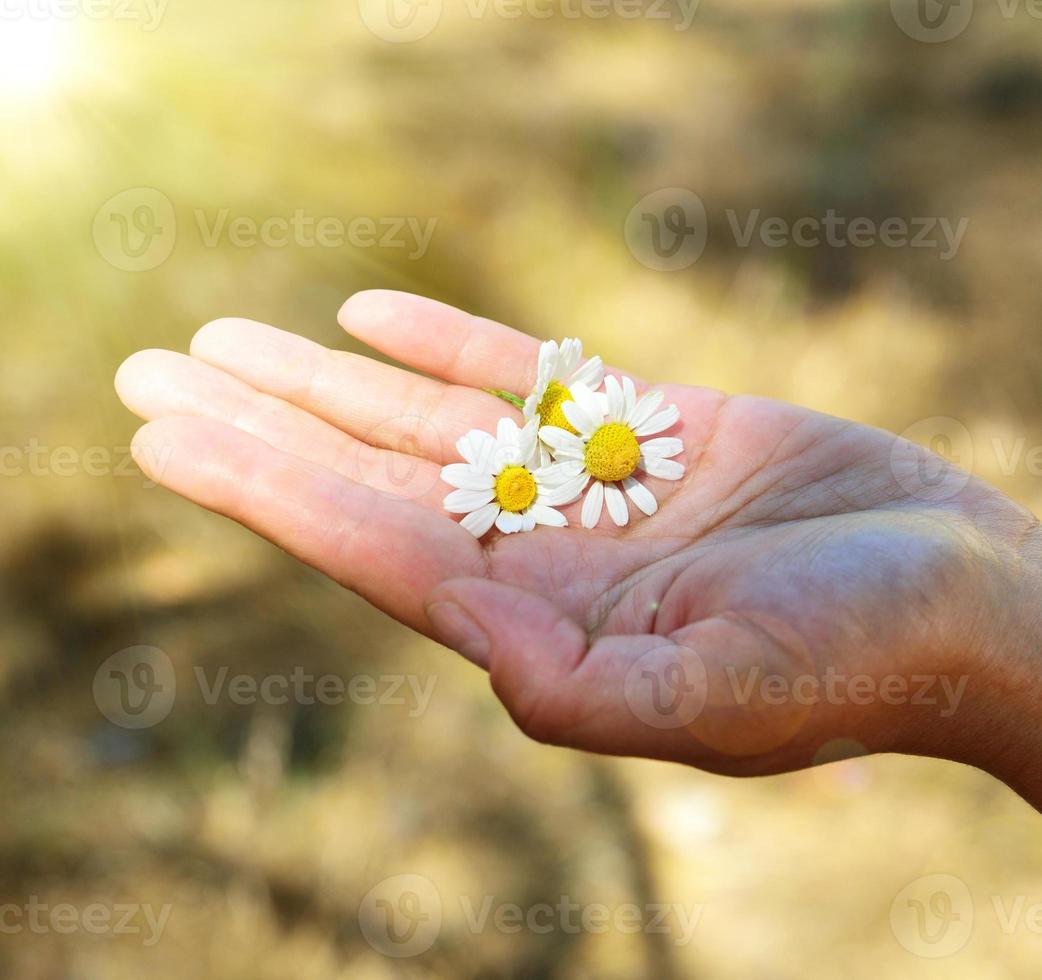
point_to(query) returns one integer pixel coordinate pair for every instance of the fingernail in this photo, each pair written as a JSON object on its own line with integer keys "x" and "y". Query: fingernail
{"x": 458, "y": 629}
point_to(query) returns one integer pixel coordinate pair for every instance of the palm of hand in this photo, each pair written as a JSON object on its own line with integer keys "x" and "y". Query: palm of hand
{"x": 794, "y": 543}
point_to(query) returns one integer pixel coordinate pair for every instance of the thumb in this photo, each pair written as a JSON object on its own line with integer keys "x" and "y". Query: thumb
{"x": 692, "y": 696}
{"x": 559, "y": 688}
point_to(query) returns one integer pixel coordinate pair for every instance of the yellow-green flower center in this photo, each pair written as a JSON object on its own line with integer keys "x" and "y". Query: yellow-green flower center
{"x": 550, "y": 412}
{"x": 612, "y": 452}
{"x": 515, "y": 489}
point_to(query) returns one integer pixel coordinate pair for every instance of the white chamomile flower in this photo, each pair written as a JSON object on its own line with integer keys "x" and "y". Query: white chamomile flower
{"x": 502, "y": 483}
{"x": 605, "y": 447}
{"x": 557, "y": 371}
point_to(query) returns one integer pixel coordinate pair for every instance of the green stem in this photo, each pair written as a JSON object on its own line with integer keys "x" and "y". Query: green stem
{"x": 507, "y": 397}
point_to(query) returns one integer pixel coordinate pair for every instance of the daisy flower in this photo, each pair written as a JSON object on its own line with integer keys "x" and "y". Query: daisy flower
{"x": 502, "y": 483}
{"x": 557, "y": 371}
{"x": 602, "y": 445}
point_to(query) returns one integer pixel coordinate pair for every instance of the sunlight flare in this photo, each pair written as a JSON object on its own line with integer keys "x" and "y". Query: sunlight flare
{"x": 35, "y": 54}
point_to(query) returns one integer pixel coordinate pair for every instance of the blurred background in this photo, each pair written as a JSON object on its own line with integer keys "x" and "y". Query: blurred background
{"x": 501, "y": 155}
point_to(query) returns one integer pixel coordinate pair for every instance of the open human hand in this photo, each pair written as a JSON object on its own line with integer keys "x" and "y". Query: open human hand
{"x": 808, "y": 582}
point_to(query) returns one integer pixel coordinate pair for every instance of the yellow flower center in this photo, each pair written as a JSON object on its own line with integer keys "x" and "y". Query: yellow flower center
{"x": 550, "y": 412}
{"x": 612, "y": 452}
{"x": 515, "y": 489}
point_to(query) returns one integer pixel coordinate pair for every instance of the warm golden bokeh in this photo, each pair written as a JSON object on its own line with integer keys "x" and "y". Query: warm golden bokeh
{"x": 131, "y": 147}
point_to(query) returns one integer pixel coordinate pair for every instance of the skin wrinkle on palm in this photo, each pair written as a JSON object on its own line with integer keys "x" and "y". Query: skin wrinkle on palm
{"x": 790, "y": 530}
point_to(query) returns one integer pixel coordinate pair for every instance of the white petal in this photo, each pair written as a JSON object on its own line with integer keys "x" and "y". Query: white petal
{"x": 592, "y": 403}
{"x": 466, "y": 477}
{"x": 644, "y": 408}
{"x": 507, "y": 432}
{"x": 591, "y": 513}
{"x": 571, "y": 352}
{"x": 616, "y": 400}
{"x": 616, "y": 502}
{"x": 664, "y": 469}
{"x": 591, "y": 409}
{"x": 527, "y": 439}
{"x": 557, "y": 473}
{"x": 547, "y": 515}
{"x": 561, "y": 441}
{"x": 629, "y": 393}
{"x": 531, "y": 404}
{"x": 585, "y": 422}
{"x": 590, "y": 374}
{"x": 640, "y": 495}
{"x": 545, "y": 459}
{"x": 480, "y": 520}
{"x": 508, "y": 523}
{"x": 548, "y": 355}
{"x": 659, "y": 422}
{"x": 661, "y": 448}
{"x": 477, "y": 447}
{"x": 564, "y": 493}
{"x": 464, "y": 501}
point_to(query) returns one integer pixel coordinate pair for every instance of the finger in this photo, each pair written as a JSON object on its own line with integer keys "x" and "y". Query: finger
{"x": 159, "y": 383}
{"x": 441, "y": 340}
{"x": 381, "y": 405}
{"x": 663, "y": 697}
{"x": 390, "y": 551}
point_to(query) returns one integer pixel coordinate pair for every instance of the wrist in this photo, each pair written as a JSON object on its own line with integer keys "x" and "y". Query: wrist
{"x": 1001, "y": 731}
